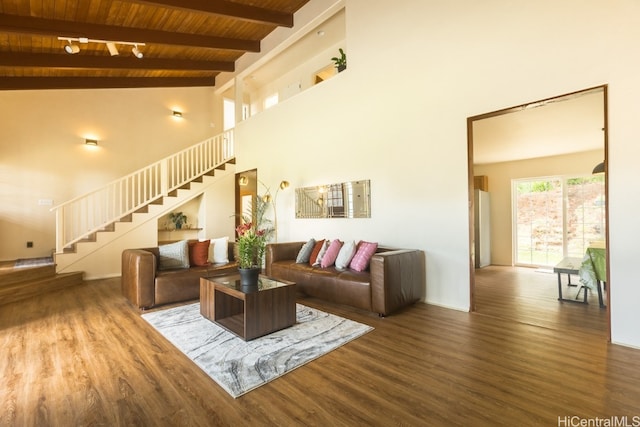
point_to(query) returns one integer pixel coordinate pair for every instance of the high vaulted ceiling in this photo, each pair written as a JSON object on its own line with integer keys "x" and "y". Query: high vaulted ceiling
{"x": 186, "y": 42}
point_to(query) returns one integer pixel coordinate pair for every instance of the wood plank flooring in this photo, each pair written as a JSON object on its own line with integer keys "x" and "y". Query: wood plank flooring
{"x": 530, "y": 296}
{"x": 83, "y": 356}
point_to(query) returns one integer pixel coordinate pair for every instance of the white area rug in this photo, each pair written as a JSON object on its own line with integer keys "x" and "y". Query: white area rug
{"x": 239, "y": 366}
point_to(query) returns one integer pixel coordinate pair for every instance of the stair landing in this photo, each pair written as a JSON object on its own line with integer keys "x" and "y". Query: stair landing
{"x": 18, "y": 283}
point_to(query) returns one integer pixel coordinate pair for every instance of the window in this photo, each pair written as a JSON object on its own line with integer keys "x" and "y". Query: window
{"x": 229, "y": 112}
{"x": 557, "y": 217}
{"x": 270, "y": 101}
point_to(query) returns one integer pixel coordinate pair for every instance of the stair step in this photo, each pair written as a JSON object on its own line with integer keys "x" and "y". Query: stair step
{"x": 16, "y": 275}
{"x": 28, "y": 288}
{"x": 108, "y": 228}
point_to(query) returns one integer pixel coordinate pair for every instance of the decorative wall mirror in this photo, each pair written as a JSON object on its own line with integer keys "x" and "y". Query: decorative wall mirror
{"x": 344, "y": 200}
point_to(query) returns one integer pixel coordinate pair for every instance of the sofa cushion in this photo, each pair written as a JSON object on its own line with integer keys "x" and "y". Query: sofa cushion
{"x": 347, "y": 251}
{"x": 316, "y": 250}
{"x": 174, "y": 255}
{"x": 330, "y": 256}
{"x": 361, "y": 259}
{"x": 305, "y": 252}
{"x": 219, "y": 250}
{"x": 323, "y": 249}
{"x": 198, "y": 253}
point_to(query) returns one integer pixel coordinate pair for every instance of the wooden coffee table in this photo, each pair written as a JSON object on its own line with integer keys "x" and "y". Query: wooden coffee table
{"x": 248, "y": 312}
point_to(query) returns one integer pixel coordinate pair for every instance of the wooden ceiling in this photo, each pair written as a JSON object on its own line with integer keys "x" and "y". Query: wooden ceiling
{"x": 186, "y": 42}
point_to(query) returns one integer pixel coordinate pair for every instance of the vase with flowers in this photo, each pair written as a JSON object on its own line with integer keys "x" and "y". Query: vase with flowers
{"x": 253, "y": 234}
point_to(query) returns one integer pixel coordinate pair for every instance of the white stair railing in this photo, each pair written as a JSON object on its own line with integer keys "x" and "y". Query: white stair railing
{"x": 80, "y": 217}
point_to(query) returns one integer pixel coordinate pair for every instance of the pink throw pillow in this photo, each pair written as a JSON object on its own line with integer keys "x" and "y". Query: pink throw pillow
{"x": 331, "y": 254}
{"x": 360, "y": 260}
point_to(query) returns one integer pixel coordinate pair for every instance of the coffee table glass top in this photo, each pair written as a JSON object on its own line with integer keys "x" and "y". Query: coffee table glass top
{"x": 233, "y": 282}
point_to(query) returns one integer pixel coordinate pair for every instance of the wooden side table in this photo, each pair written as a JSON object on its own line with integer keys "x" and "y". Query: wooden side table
{"x": 248, "y": 312}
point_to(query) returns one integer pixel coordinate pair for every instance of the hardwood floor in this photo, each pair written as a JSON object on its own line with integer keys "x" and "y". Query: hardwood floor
{"x": 84, "y": 356}
{"x": 530, "y": 296}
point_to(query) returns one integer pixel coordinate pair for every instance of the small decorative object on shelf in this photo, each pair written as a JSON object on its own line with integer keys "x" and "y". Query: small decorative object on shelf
{"x": 178, "y": 219}
{"x": 340, "y": 61}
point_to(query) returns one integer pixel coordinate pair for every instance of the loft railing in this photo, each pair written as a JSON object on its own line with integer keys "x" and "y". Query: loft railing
{"x": 80, "y": 217}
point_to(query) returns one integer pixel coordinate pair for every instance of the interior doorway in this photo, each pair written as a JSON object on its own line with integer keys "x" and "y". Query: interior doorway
{"x": 529, "y": 141}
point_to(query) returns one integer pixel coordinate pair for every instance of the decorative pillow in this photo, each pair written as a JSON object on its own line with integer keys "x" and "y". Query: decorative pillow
{"x": 331, "y": 254}
{"x": 198, "y": 253}
{"x": 219, "y": 250}
{"x": 316, "y": 250}
{"x": 174, "y": 255}
{"x": 323, "y": 249}
{"x": 346, "y": 253}
{"x": 365, "y": 251}
{"x": 305, "y": 251}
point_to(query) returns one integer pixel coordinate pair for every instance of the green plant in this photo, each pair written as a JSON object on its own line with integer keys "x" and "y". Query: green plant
{"x": 253, "y": 237}
{"x": 341, "y": 61}
{"x": 178, "y": 218}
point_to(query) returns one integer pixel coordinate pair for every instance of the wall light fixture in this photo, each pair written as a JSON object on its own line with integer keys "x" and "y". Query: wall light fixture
{"x": 93, "y": 142}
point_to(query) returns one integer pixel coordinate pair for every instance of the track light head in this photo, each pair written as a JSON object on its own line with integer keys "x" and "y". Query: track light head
{"x": 113, "y": 49}
{"x": 136, "y": 52}
{"x": 72, "y": 49}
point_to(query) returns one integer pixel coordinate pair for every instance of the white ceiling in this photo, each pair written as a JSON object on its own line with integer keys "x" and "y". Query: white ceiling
{"x": 560, "y": 126}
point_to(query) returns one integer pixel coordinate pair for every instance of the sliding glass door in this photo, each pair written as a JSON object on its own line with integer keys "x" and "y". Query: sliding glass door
{"x": 556, "y": 217}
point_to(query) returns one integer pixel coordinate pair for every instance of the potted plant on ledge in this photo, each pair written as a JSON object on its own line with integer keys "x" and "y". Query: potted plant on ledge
{"x": 252, "y": 241}
{"x": 340, "y": 61}
{"x": 178, "y": 219}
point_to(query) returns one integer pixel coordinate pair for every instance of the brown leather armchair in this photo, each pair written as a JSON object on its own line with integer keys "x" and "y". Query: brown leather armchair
{"x": 146, "y": 286}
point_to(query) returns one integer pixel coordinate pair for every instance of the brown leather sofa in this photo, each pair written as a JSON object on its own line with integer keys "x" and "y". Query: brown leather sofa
{"x": 146, "y": 286}
{"x": 395, "y": 278}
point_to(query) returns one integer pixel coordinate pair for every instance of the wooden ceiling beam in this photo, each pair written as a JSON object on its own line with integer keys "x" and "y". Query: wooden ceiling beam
{"x": 39, "y": 83}
{"x": 48, "y": 60}
{"x": 228, "y": 9}
{"x": 53, "y": 27}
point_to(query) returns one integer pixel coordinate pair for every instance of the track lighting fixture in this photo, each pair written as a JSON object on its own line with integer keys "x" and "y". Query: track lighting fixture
{"x": 72, "y": 49}
{"x": 136, "y": 52}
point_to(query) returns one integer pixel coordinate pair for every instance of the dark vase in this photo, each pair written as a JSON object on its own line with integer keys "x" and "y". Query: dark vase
{"x": 178, "y": 225}
{"x": 341, "y": 68}
{"x": 249, "y": 276}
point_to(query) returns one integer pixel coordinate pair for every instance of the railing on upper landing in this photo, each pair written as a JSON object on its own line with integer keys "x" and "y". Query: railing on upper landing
{"x": 80, "y": 217}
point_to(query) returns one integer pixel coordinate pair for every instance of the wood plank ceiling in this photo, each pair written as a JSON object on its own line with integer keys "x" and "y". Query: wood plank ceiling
{"x": 186, "y": 42}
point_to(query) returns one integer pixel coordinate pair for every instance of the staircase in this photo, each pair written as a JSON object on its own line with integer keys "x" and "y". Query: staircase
{"x": 19, "y": 284}
{"x": 93, "y": 229}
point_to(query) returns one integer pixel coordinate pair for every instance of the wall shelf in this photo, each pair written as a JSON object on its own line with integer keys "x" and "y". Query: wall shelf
{"x": 173, "y": 235}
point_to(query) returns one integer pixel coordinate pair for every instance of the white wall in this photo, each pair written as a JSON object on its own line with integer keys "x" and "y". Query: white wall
{"x": 397, "y": 116}
{"x": 43, "y": 156}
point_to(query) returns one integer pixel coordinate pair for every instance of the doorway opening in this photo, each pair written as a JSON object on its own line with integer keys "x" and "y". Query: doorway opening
{"x": 552, "y": 144}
